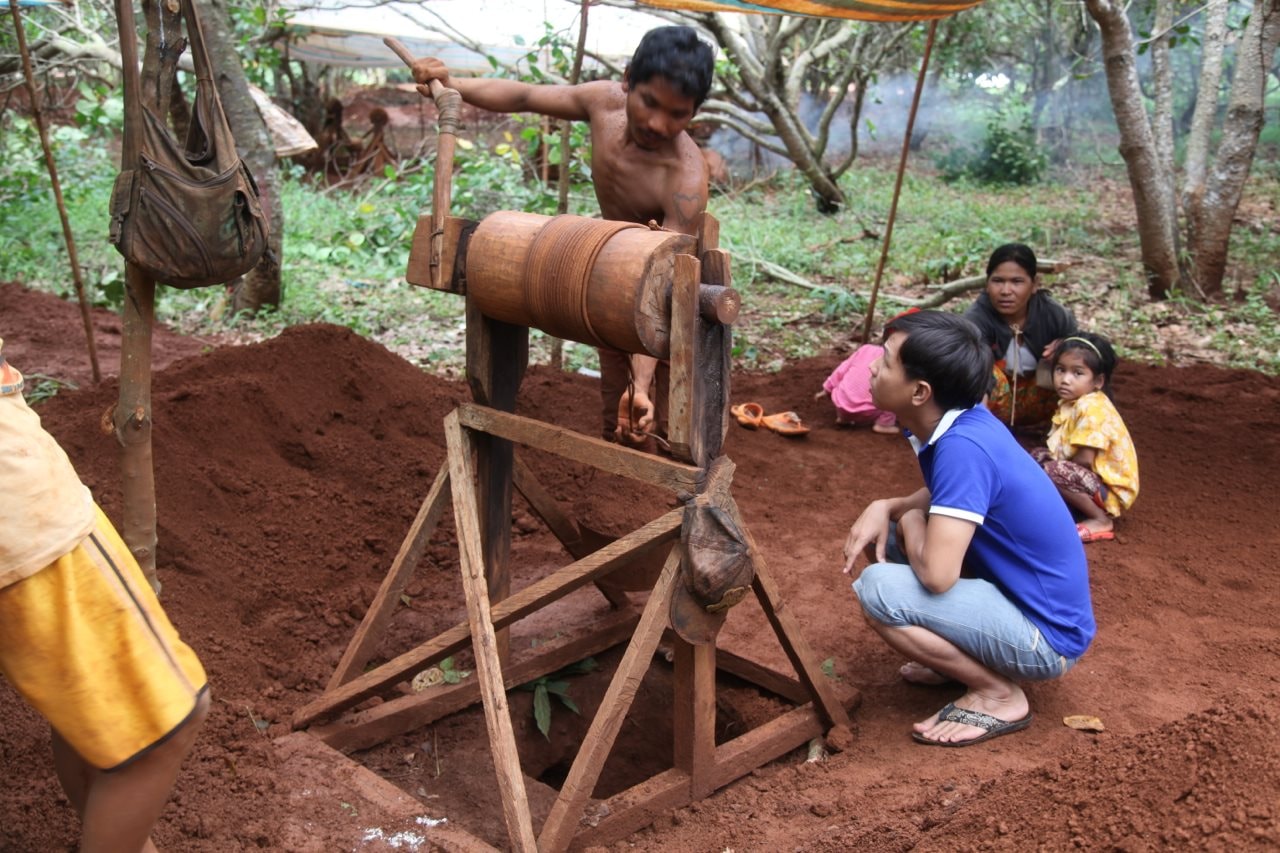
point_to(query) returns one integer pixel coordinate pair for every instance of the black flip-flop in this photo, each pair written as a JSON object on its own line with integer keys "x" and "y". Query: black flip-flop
{"x": 993, "y": 726}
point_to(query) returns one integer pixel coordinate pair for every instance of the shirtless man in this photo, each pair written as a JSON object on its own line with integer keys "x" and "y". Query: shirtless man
{"x": 644, "y": 166}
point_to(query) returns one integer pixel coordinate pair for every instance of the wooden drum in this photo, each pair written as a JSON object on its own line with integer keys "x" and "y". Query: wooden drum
{"x": 587, "y": 280}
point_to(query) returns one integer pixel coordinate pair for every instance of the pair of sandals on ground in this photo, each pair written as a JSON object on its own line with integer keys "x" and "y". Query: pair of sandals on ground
{"x": 752, "y": 416}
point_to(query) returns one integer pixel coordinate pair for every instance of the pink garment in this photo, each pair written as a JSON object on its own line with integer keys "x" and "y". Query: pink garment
{"x": 850, "y": 388}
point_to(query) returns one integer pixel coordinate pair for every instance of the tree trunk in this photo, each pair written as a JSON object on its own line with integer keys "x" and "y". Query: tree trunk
{"x": 1197, "y": 160}
{"x": 1209, "y": 220}
{"x": 261, "y": 285}
{"x": 1151, "y": 185}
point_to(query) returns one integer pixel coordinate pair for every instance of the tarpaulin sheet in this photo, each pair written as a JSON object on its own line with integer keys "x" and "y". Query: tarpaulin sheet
{"x": 858, "y": 10}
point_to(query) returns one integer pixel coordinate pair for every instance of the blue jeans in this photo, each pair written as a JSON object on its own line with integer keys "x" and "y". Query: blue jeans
{"x": 973, "y": 615}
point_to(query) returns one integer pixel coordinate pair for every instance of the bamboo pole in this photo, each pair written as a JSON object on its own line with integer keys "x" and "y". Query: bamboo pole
{"x": 38, "y": 115}
{"x": 897, "y": 185}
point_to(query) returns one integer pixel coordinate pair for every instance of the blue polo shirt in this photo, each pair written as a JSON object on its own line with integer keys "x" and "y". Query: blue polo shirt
{"x": 1026, "y": 541}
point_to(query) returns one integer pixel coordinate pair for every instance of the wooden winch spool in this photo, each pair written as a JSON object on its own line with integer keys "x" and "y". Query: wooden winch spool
{"x": 587, "y": 280}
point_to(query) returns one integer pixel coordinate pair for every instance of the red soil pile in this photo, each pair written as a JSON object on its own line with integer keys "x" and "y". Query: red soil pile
{"x": 288, "y": 472}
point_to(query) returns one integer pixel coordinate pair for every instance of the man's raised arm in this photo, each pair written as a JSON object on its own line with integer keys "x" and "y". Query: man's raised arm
{"x": 511, "y": 96}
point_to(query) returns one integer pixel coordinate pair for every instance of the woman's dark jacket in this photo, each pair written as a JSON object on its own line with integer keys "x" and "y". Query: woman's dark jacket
{"x": 1046, "y": 321}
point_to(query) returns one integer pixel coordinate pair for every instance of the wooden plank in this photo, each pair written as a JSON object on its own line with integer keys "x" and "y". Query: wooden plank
{"x": 535, "y": 596}
{"x": 419, "y": 271}
{"x": 766, "y": 743}
{"x": 611, "y": 458}
{"x": 695, "y": 713}
{"x": 562, "y": 526}
{"x": 365, "y": 729}
{"x": 788, "y": 632}
{"x": 716, "y": 349}
{"x": 708, "y": 233}
{"x": 563, "y": 818}
{"x": 683, "y": 403}
{"x": 374, "y": 624}
{"x": 502, "y": 739}
{"x": 761, "y": 676}
{"x": 634, "y": 809}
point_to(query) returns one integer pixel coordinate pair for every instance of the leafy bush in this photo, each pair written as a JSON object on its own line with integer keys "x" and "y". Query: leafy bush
{"x": 1009, "y": 153}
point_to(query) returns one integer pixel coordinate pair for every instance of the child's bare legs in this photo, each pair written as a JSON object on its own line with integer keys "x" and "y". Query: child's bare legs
{"x": 119, "y": 809}
{"x": 1095, "y": 517}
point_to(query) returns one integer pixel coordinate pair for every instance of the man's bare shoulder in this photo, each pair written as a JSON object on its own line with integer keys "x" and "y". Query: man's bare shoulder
{"x": 603, "y": 95}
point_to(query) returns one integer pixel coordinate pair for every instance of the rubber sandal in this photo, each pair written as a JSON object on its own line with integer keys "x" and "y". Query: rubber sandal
{"x": 785, "y": 423}
{"x": 750, "y": 415}
{"x": 1087, "y": 535}
{"x": 991, "y": 726}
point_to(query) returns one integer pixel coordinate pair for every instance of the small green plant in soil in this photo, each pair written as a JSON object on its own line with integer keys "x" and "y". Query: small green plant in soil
{"x": 556, "y": 685}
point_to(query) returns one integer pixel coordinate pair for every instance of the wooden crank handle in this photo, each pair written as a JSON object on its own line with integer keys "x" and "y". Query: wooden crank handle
{"x": 718, "y": 304}
{"x": 434, "y": 86}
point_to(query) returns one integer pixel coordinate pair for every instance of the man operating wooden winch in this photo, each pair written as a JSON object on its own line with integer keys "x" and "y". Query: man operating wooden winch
{"x": 645, "y": 169}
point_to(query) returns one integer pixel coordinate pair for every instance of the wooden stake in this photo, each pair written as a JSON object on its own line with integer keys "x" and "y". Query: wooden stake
{"x": 38, "y": 115}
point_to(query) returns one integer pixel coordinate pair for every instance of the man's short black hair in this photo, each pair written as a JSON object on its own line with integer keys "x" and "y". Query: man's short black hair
{"x": 677, "y": 55}
{"x": 949, "y": 353}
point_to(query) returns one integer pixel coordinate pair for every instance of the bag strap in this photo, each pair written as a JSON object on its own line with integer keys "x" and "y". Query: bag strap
{"x": 132, "y": 77}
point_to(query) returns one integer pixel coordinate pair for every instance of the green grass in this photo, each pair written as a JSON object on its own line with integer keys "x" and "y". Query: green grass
{"x": 345, "y": 255}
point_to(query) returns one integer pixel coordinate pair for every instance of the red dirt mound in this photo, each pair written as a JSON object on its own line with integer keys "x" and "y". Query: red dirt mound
{"x": 288, "y": 472}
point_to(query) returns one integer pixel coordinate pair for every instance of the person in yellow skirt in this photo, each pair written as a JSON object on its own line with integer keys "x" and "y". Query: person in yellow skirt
{"x": 84, "y": 640}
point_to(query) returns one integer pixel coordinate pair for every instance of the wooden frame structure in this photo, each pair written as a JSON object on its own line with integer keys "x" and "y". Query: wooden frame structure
{"x": 480, "y": 492}
{"x": 481, "y": 473}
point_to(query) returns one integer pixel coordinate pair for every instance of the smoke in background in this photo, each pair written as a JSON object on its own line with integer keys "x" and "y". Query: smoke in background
{"x": 950, "y": 115}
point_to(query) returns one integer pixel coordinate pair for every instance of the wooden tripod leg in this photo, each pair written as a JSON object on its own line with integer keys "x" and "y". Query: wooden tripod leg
{"x": 565, "y": 813}
{"x": 788, "y": 632}
{"x": 506, "y": 759}
{"x": 374, "y": 624}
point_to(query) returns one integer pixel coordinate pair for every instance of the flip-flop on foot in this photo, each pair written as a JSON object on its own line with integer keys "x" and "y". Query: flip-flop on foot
{"x": 749, "y": 415}
{"x": 785, "y": 423}
{"x": 992, "y": 727}
{"x": 1087, "y": 535}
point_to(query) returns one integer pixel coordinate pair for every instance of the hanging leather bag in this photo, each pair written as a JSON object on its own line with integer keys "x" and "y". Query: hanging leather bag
{"x": 187, "y": 214}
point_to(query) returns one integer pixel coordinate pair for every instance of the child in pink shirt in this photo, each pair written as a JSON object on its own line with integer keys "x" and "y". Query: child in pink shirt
{"x": 849, "y": 387}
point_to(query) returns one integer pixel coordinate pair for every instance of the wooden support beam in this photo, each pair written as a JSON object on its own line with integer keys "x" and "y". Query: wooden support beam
{"x": 788, "y": 632}
{"x": 365, "y": 729}
{"x": 535, "y": 596}
{"x": 562, "y": 820}
{"x": 596, "y": 452}
{"x": 374, "y": 624}
{"x": 497, "y": 355}
{"x": 715, "y": 346}
{"x": 683, "y": 405}
{"x": 694, "y": 722}
{"x": 502, "y": 739}
{"x": 634, "y": 809}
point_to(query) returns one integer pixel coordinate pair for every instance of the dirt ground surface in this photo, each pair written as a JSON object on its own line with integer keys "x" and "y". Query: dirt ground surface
{"x": 287, "y": 474}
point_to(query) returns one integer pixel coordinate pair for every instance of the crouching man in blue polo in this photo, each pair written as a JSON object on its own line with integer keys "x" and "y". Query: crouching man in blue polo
{"x": 979, "y": 577}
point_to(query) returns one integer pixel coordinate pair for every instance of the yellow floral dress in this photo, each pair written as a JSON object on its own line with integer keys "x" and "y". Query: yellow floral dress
{"x": 1092, "y": 421}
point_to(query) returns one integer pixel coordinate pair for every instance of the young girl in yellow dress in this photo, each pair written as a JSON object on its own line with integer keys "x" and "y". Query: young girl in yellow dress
{"x": 1090, "y": 457}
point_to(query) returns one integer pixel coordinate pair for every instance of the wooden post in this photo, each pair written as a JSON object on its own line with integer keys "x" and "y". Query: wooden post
{"x": 497, "y": 355}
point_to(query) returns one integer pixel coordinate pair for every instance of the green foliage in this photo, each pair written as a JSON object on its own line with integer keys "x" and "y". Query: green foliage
{"x": 1009, "y": 153}
{"x": 37, "y": 387}
{"x": 555, "y": 685}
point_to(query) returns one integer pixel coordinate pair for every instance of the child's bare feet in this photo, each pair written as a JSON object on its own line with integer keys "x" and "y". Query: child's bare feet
{"x": 885, "y": 429}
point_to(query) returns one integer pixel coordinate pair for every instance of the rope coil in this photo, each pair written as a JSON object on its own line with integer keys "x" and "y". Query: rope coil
{"x": 558, "y": 272}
